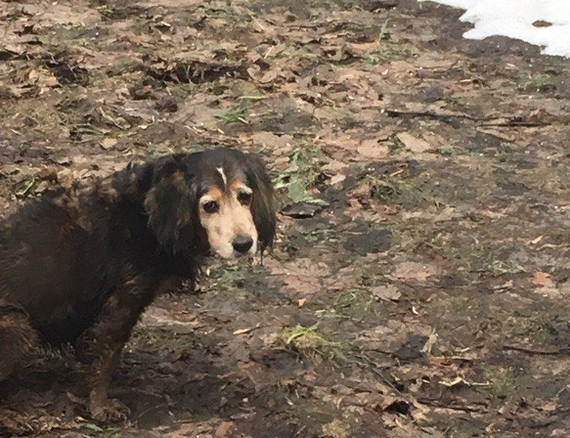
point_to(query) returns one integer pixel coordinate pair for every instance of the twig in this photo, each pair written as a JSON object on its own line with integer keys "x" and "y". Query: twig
{"x": 430, "y": 402}
{"x": 533, "y": 351}
{"x": 432, "y": 115}
{"x": 517, "y": 123}
{"x": 453, "y": 119}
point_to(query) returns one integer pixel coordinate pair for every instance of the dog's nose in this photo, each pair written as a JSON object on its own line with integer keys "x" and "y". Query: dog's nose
{"x": 242, "y": 244}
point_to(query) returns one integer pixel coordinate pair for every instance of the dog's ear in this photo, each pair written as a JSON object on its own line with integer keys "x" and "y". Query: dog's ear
{"x": 262, "y": 202}
{"x": 141, "y": 174}
{"x": 130, "y": 184}
{"x": 170, "y": 204}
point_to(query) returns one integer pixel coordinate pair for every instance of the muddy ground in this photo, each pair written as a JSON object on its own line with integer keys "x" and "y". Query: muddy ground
{"x": 419, "y": 287}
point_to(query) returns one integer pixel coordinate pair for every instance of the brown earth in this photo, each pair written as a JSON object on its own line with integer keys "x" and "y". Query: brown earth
{"x": 426, "y": 295}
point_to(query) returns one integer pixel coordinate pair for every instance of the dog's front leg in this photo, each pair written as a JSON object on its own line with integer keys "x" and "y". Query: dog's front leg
{"x": 110, "y": 334}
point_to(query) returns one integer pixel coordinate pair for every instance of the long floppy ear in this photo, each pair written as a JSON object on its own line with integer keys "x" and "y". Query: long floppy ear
{"x": 170, "y": 204}
{"x": 262, "y": 202}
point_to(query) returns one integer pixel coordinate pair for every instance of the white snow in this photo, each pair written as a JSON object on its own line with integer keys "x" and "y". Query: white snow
{"x": 515, "y": 18}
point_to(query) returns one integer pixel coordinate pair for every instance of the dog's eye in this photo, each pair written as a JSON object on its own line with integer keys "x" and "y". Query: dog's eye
{"x": 244, "y": 198}
{"x": 211, "y": 207}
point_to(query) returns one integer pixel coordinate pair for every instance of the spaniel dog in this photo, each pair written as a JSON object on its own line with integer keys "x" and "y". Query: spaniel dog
{"x": 80, "y": 266}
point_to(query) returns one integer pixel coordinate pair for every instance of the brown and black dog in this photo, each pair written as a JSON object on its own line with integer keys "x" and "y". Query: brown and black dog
{"x": 80, "y": 267}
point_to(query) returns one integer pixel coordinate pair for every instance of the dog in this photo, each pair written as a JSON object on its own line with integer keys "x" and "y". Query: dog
{"x": 80, "y": 266}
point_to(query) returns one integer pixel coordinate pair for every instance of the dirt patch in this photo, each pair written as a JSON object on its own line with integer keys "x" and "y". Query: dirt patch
{"x": 419, "y": 286}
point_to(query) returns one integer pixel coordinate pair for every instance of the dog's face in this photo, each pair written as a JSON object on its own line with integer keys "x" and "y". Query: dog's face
{"x": 219, "y": 200}
{"x": 226, "y": 216}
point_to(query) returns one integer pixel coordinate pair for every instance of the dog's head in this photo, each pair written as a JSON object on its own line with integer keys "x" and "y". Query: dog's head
{"x": 220, "y": 200}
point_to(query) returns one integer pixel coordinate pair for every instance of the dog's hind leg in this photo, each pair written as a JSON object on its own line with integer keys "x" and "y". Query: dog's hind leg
{"x": 17, "y": 337}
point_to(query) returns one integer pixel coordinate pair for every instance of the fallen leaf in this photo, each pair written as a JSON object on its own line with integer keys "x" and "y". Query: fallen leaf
{"x": 372, "y": 150}
{"x": 336, "y": 429}
{"x": 334, "y": 167}
{"x": 108, "y": 143}
{"x": 337, "y": 179}
{"x": 225, "y": 429}
{"x": 414, "y": 271}
{"x": 413, "y": 144}
{"x": 302, "y": 210}
{"x": 543, "y": 279}
{"x": 387, "y": 292}
{"x": 343, "y": 147}
{"x": 549, "y": 406}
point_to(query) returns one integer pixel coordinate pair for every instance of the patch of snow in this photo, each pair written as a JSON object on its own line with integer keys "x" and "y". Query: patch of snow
{"x": 515, "y": 18}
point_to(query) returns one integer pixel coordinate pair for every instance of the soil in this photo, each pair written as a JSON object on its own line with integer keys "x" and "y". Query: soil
{"x": 419, "y": 285}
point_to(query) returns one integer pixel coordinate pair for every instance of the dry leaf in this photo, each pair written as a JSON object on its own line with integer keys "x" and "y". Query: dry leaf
{"x": 337, "y": 179}
{"x": 225, "y": 429}
{"x": 543, "y": 279}
{"x": 550, "y": 406}
{"x": 372, "y": 150}
{"x": 387, "y": 292}
{"x": 334, "y": 167}
{"x": 414, "y": 144}
{"x": 108, "y": 143}
{"x": 414, "y": 271}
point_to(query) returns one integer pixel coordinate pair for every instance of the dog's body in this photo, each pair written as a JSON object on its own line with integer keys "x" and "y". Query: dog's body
{"x": 80, "y": 267}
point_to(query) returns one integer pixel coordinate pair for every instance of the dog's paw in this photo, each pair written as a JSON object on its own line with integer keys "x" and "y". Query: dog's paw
{"x": 108, "y": 410}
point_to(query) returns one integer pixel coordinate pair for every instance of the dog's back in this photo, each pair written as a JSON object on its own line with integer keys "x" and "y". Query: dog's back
{"x": 53, "y": 265}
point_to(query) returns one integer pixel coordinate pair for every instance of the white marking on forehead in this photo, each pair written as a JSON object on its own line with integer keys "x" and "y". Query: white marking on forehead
{"x": 221, "y": 170}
